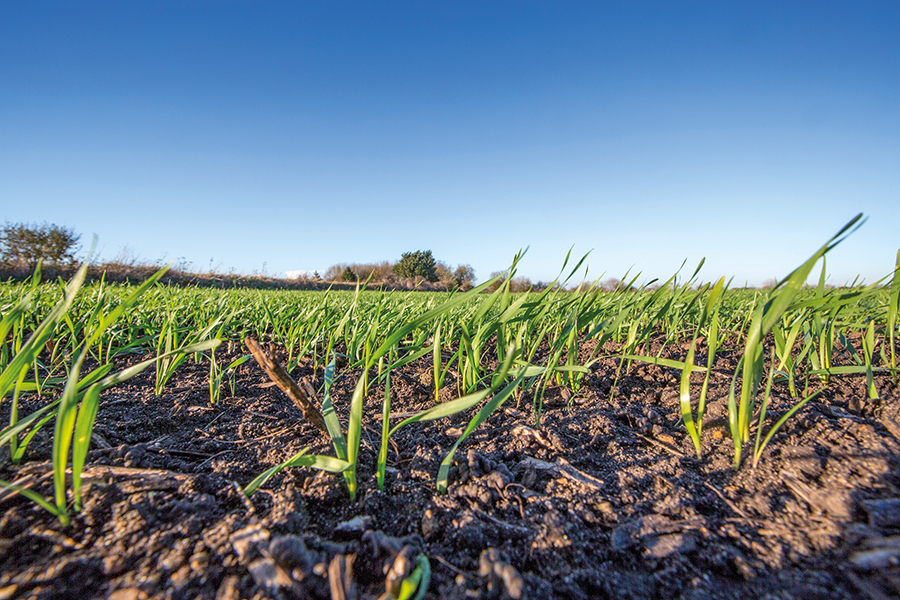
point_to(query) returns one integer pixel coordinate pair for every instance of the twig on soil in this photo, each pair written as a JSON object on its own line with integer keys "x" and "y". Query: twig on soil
{"x": 730, "y": 504}
{"x": 256, "y": 439}
{"x": 340, "y": 577}
{"x": 580, "y": 476}
{"x": 218, "y": 454}
{"x": 178, "y": 453}
{"x": 247, "y": 503}
{"x": 100, "y": 441}
{"x": 208, "y": 425}
{"x": 264, "y": 415}
{"x": 447, "y": 564}
{"x": 665, "y": 447}
{"x": 131, "y": 480}
{"x": 495, "y": 520}
{"x": 287, "y": 385}
{"x": 518, "y": 499}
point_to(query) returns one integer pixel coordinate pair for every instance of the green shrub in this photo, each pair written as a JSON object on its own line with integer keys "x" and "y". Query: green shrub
{"x": 26, "y": 243}
{"x": 415, "y": 264}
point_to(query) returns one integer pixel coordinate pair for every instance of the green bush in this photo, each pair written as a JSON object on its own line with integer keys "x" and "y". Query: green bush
{"x": 26, "y": 243}
{"x": 415, "y": 264}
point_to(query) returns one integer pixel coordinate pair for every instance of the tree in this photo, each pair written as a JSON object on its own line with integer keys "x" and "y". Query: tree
{"x": 496, "y": 285}
{"x": 348, "y": 275}
{"x": 463, "y": 276}
{"x": 26, "y": 243}
{"x": 416, "y": 264}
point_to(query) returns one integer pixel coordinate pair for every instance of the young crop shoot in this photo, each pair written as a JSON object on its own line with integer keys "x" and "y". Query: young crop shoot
{"x": 893, "y": 311}
{"x": 762, "y": 442}
{"x": 76, "y": 409}
{"x": 695, "y": 426}
{"x": 765, "y": 316}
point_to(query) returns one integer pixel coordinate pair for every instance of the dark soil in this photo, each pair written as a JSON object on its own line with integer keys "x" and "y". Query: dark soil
{"x": 604, "y": 499}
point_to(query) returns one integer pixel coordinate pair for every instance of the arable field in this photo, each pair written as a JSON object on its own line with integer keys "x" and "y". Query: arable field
{"x": 682, "y": 441}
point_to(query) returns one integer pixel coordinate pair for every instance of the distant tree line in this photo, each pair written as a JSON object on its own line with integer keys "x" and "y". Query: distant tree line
{"x": 413, "y": 267}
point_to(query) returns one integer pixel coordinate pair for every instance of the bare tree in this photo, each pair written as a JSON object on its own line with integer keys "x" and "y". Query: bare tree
{"x": 26, "y": 243}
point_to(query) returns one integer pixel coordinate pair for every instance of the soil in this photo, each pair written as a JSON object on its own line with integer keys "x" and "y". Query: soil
{"x": 605, "y": 498}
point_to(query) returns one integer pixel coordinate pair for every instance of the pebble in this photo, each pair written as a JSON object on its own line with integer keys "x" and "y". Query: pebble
{"x": 873, "y": 560}
{"x": 884, "y": 515}
{"x": 199, "y": 561}
{"x": 290, "y": 552}
{"x": 430, "y": 524}
{"x": 114, "y": 564}
{"x": 491, "y": 564}
{"x": 247, "y": 541}
{"x": 355, "y": 526}
{"x": 267, "y": 574}
{"x": 128, "y": 594}
{"x": 228, "y": 589}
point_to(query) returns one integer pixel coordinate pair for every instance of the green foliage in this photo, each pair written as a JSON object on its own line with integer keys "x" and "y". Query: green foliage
{"x": 28, "y": 244}
{"x": 498, "y": 346}
{"x": 415, "y": 264}
{"x": 76, "y": 409}
{"x": 348, "y": 275}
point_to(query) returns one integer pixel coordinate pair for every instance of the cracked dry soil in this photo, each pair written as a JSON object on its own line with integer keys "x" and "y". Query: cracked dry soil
{"x": 605, "y": 499}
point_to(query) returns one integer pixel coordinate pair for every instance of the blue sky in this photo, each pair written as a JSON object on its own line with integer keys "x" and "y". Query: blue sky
{"x": 296, "y": 135}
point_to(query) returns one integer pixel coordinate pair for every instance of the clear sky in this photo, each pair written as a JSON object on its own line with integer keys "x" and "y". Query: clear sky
{"x": 297, "y": 135}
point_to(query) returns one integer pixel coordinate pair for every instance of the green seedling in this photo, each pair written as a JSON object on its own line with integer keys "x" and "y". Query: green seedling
{"x": 765, "y": 316}
{"x": 694, "y": 425}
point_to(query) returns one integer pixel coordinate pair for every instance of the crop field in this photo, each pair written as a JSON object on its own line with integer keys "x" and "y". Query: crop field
{"x": 679, "y": 438}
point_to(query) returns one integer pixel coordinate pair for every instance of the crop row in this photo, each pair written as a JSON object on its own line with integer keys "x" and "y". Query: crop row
{"x": 61, "y": 343}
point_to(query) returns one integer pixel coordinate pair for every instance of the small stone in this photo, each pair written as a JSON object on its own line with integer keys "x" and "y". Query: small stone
{"x": 355, "y": 526}
{"x": 228, "y": 589}
{"x": 492, "y": 564}
{"x": 884, "y": 515}
{"x": 604, "y": 507}
{"x": 181, "y": 577}
{"x": 128, "y": 594}
{"x": 430, "y": 524}
{"x": 171, "y": 560}
{"x": 290, "y": 552}
{"x": 665, "y": 545}
{"x": 248, "y": 541}
{"x": 114, "y": 564}
{"x": 876, "y": 559}
{"x": 652, "y": 531}
{"x": 267, "y": 574}
{"x": 199, "y": 561}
